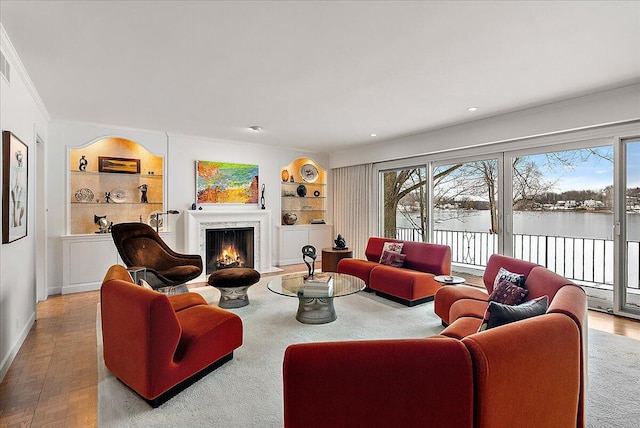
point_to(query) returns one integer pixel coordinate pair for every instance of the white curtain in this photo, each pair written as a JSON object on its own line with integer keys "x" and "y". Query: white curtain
{"x": 352, "y": 205}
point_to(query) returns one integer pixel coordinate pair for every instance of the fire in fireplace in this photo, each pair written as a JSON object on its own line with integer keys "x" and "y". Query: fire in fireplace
{"x": 230, "y": 247}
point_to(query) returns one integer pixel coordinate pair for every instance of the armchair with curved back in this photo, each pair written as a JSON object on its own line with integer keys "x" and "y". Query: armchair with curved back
{"x": 141, "y": 246}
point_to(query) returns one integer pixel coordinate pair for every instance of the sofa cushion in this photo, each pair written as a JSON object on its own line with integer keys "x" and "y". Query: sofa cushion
{"x": 449, "y": 294}
{"x": 395, "y": 247}
{"x": 467, "y": 308}
{"x": 498, "y": 314}
{"x": 505, "y": 275}
{"x": 391, "y": 258}
{"x": 508, "y": 293}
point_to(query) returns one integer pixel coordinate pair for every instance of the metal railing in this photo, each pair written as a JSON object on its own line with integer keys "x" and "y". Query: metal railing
{"x": 589, "y": 260}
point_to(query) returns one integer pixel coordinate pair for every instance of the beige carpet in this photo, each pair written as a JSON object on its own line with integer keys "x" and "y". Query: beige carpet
{"x": 247, "y": 391}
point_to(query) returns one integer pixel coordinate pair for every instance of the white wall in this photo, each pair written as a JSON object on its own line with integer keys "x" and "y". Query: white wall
{"x": 598, "y": 109}
{"x": 21, "y": 112}
{"x": 180, "y": 154}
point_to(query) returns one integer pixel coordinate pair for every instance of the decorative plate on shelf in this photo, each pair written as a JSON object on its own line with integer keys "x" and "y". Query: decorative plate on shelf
{"x": 156, "y": 220}
{"x": 316, "y": 193}
{"x": 309, "y": 172}
{"x": 118, "y": 196}
{"x": 84, "y": 195}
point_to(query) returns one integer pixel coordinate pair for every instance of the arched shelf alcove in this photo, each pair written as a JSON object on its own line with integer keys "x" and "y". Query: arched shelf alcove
{"x": 113, "y": 177}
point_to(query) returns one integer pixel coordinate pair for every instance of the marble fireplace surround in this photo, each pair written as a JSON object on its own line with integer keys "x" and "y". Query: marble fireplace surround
{"x": 196, "y": 223}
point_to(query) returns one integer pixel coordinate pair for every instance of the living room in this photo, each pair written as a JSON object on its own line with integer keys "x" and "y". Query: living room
{"x": 604, "y": 104}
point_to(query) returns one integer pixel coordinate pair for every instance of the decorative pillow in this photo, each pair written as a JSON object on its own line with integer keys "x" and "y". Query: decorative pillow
{"x": 514, "y": 278}
{"x": 508, "y": 293}
{"x": 498, "y": 314}
{"x": 391, "y": 258}
{"x": 395, "y": 247}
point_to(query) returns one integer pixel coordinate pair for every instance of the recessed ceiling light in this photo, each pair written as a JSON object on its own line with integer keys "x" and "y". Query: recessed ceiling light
{"x": 372, "y": 135}
{"x": 256, "y": 128}
{"x": 472, "y": 109}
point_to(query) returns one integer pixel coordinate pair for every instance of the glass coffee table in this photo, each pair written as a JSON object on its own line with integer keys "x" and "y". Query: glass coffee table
{"x": 316, "y": 309}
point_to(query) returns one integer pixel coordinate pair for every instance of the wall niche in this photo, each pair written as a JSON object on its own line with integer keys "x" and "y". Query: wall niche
{"x": 117, "y": 178}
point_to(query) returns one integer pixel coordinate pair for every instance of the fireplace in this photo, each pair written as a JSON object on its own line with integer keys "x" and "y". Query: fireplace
{"x": 197, "y": 222}
{"x": 229, "y": 247}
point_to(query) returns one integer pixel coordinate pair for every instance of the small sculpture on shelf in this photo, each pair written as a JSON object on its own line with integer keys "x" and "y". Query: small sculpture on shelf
{"x": 82, "y": 163}
{"x": 310, "y": 252}
{"x": 143, "y": 198}
{"x": 289, "y": 219}
{"x": 262, "y": 198}
{"x": 107, "y": 197}
{"x": 104, "y": 225}
{"x": 340, "y": 243}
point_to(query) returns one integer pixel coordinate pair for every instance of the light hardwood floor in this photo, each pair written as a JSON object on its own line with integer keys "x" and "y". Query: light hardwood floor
{"x": 53, "y": 380}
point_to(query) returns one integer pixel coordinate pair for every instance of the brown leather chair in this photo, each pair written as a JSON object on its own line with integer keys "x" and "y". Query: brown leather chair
{"x": 140, "y": 246}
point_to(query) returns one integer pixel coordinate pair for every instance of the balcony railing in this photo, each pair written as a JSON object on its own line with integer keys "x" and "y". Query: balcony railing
{"x": 588, "y": 260}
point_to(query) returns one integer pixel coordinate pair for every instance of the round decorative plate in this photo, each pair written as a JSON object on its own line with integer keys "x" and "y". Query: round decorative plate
{"x": 302, "y": 190}
{"x": 84, "y": 195}
{"x": 156, "y": 220}
{"x": 309, "y": 173}
{"x": 118, "y": 196}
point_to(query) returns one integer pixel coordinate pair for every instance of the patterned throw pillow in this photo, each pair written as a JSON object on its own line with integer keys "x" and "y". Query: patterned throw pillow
{"x": 391, "y": 258}
{"x": 514, "y": 278}
{"x": 498, "y": 314}
{"x": 508, "y": 293}
{"x": 395, "y": 247}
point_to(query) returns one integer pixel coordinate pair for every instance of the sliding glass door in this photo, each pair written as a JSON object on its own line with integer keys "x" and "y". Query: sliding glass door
{"x": 465, "y": 209}
{"x": 405, "y": 204}
{"x": 562, "y": 211}
{"x": 629, "y": 287}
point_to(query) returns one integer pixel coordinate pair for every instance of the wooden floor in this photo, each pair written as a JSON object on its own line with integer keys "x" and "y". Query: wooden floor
{"x": 53, "y": 379}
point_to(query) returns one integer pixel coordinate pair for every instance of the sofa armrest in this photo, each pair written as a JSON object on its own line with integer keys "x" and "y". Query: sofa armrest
{"x": 527, "y": 371}
{"x": 378, "y": 383}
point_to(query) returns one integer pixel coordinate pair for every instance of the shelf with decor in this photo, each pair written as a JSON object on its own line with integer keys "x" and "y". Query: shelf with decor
{"x": 116, "y": 178}
{"x": 303, "y": 193}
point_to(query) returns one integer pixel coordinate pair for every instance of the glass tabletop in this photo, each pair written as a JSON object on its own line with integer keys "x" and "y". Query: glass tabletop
{"x": 290, "y": 285}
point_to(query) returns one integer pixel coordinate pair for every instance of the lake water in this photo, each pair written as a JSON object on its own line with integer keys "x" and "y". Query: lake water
{"x": 578, "y": 224}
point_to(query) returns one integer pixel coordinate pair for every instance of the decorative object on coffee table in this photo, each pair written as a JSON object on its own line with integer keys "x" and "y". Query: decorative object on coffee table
{"x": 310, "y": 252}
{"x": 233, "y": 284}
{"x": 315, "y": 310}
{"x": 449, "y": 280}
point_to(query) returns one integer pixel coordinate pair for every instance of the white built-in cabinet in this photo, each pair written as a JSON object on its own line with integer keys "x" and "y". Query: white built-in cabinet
{"x": 117, "y": 167}
{"x": 303, "y": 197}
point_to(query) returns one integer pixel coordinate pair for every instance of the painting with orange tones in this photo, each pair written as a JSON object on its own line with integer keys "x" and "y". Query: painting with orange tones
{"x": 226, "y": 183}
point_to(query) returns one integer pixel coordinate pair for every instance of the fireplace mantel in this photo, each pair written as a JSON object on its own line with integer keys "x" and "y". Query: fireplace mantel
{"x": 196, "y": 222}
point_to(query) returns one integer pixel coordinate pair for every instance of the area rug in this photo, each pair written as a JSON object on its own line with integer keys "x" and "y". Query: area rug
{"x": 247, "y": 391}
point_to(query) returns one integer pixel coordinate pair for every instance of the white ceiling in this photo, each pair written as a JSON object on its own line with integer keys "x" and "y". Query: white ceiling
{"x": 316, "y": 74}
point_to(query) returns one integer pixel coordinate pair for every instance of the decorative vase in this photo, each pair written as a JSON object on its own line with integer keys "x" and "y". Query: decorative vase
{"x": 285, "y": 175}
{"x": 289, "y": 219}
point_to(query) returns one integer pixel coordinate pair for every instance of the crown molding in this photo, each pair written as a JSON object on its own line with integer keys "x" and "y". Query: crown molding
{"x": 18, "y": 68}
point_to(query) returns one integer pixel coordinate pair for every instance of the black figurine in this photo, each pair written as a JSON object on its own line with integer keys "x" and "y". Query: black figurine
{"x": 107, "y": 197}
{"x": 82, "y": 163}
{"x": 341, "y": 244}
{"x": 262, "y": 198}
{"x": 309, "y": 251}
{"x": 143, "y": 198}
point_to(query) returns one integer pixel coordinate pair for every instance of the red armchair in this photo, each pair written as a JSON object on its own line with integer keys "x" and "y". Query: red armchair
{"x": 159, "y": 345}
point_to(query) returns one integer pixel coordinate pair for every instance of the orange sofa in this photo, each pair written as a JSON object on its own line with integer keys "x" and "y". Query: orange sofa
{"x": 411, "y": 284}
{"x": 158, "y": 345}
{"x": 529, "y": 373}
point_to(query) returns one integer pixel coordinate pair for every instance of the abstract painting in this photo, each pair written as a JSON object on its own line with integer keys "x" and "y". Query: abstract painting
{"x": 15, "y": 168}
{"x": 226, "y": 183}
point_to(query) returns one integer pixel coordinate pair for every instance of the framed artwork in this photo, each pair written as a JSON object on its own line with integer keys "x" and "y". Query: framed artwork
{"x": 15, "y": 188}
{"x": 226, "y": 183}
{"x": 120, "y": 165}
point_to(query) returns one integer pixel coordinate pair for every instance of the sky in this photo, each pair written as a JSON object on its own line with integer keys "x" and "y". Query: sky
{"x": 595, "y": 173}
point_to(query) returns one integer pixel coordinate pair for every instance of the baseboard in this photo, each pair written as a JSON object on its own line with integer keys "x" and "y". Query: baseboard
{"x": 81, "y": 288}
{"x": 8, "y": 359}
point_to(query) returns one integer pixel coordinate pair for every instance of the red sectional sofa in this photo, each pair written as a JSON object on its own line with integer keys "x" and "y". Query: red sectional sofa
{"x": 158, "y": 345}
{"x": 529, "y": 373}
{"x": 410, "y": 284}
